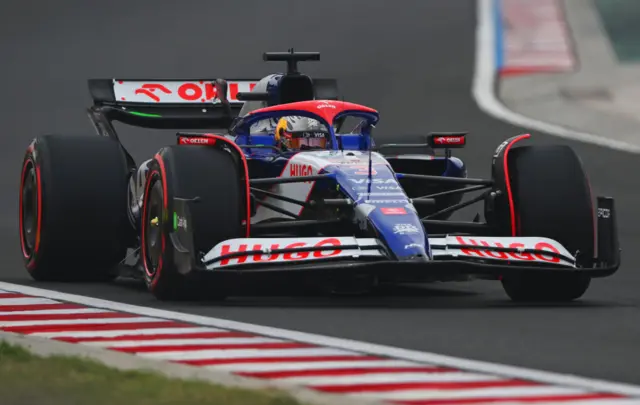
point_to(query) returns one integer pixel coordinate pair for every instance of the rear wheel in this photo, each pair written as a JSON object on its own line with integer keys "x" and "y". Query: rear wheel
{"x": 73, "y": 208}
{"x": 213, "y": 176}
{"x": 552, "y": 199}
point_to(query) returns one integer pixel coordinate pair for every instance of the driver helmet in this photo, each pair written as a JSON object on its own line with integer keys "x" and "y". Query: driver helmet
{"x": 301, "y": 133}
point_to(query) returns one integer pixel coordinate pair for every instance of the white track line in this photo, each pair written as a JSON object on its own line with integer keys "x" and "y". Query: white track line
{"x": 484, "y": 88}
{"x": 124, "y": 332}
{"x": 208, "y": 354}
{"x": 11, "y": 324}
{"x": 344, "y": 344}
{"x": 500, "y": 392}
{"x": 381, "y": 378}
{"x": 315, "y": 365}
{"x": 181, "y": 342}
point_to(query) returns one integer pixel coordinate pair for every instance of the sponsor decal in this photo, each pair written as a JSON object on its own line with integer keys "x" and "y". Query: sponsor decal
{"x": 370, "y": 187}
{"x": 311, "y": 134}
{"x": 386, "y": 201}
{"x": 393, "y": 211}
{"x": 449, "y": 140}
{"x": 286, "y": 257}
{"x": 298, "y": 169}
{"x": 474, "y": 249}
{"x": 500, "y": 148}
{"x": 405, "y": 229}
{"x": 149, "y": 90}
{"x": 374, "y": 181}
{"x": 179, "y": 222}
{"x": 200, "y": 140}
{"x": 352, "y": 154}
{"x": 414, "y": 246}
{"x": 176, "y": 91}
{"x": 379, "y": 194}
{"x": 182, "y": 223}
{"x": 326, "y": 105}
{"x": 604, "y": 213}
{"x": 363, "y": 170}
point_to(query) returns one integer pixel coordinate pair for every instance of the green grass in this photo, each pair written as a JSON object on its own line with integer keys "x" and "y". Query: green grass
{"x": 28, "y": 379}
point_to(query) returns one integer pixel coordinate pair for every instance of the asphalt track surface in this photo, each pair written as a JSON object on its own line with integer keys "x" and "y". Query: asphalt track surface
{"x": 414, "y": 63}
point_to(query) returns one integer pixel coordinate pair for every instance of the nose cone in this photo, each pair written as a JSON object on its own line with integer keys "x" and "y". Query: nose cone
{"x": 399, "y": 226}
{"x": 381, "y": 203}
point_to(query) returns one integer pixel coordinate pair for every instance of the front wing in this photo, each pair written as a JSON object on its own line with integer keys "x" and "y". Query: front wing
{"x": 254, "y": 252}
{"x": 490, "y": 256}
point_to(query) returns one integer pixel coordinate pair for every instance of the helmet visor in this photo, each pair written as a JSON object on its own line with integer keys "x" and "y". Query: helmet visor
{"x": 308, "y": 140}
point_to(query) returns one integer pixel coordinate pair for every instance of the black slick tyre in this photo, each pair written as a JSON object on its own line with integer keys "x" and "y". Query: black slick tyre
{"x": 73, "y": 218}
{"x": 214, "y": 177}
{"x": 552, "y": 199}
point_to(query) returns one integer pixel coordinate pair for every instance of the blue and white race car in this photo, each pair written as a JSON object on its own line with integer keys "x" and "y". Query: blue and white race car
{"x": 283, "y": 193}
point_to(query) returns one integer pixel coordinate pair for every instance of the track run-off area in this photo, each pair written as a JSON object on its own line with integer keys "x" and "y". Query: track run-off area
{"x": 414, "y": 61}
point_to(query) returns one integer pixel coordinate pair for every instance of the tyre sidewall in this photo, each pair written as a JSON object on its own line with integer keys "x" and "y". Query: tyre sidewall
{"x": 158, "y": 280}
{"x": 31, "y": 256}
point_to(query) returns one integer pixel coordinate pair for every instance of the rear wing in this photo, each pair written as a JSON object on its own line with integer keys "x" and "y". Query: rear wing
{"x": 201, "y": 103}
{"x": 167, "y": 104}
{"x": 179, "y": 104}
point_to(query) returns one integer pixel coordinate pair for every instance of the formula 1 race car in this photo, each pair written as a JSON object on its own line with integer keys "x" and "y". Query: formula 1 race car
{"x": 267, "y": 202}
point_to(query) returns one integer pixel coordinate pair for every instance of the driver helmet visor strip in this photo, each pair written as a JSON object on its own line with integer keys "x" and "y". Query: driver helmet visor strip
{"x": 311, "y": 139}
{"x": 298, "y": 139}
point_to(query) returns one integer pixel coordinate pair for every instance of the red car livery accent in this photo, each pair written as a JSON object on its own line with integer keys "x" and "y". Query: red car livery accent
{"x": 325, "y": 112}
{"x": 507, "y": 255}
{"x": 196, "y": 140}
{"x": 298, "y": 169}
{"x": 149, "y": 91}
{"x": 449, "y": 140}
{"x": 227, "y": 249}
{"x": 393, "y": 211}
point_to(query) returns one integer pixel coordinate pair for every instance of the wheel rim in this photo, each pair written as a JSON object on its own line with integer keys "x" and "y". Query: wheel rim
{"x": 154, "y": 224}
{"x": 29, "y": 208}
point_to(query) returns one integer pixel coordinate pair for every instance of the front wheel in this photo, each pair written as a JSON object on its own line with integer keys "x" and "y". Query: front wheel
{"x": 552, "y": 199}
{"x": 188, "y": 171}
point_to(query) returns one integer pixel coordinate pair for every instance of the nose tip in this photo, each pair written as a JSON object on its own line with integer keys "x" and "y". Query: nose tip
{"x": 416, "y": 258}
